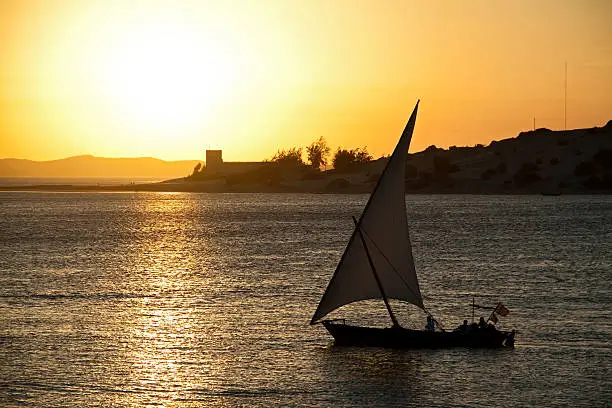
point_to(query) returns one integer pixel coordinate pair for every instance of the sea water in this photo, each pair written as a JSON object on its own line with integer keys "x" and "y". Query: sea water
{"x": 188, "y": 300}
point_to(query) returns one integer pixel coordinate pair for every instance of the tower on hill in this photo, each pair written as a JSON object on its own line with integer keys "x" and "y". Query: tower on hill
{"x": 214, "y": 160}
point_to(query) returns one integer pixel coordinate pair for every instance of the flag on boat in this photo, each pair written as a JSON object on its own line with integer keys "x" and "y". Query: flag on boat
{"x": 501, "y": 310}
{"x": 493, "y": 318}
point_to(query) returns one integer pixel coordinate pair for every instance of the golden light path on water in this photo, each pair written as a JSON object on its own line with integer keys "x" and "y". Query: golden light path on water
{"x": 165, "y": 337}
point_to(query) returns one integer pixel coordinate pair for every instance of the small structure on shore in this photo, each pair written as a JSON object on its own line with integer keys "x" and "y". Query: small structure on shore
{"x": 216, "y": 165}
{"x": 214, "y": 160}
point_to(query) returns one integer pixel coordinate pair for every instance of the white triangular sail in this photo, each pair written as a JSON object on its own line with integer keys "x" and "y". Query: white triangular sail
{"x": 385, "y": 228}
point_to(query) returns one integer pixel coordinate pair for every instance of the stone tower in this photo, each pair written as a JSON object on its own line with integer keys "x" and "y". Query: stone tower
{"x": 214, "y": 160}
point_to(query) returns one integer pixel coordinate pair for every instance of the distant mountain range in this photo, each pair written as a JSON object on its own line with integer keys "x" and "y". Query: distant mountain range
{"x": 97, "y": 167}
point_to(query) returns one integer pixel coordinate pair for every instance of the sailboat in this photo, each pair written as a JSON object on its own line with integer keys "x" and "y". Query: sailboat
{"x": 378, "y": 264}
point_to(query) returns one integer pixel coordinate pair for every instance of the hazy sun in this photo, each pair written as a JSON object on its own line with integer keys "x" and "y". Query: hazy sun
{"x": 164, "y": 75}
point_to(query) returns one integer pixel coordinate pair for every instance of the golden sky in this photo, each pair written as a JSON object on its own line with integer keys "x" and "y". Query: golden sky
{"x": 170, "y": 79}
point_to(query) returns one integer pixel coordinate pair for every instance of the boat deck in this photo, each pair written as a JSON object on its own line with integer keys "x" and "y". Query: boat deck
{"x": 399, "y": 337}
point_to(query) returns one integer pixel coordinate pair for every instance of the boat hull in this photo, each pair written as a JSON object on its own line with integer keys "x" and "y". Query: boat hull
{"x": 399, "y": 337}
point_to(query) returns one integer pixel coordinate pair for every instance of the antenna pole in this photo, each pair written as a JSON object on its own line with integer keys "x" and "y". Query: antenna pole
{"x": 380, "y": 287}
{"x": 565, "y": 103}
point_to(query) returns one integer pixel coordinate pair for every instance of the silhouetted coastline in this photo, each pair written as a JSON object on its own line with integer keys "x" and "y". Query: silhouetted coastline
{"x": 535, "y": 162}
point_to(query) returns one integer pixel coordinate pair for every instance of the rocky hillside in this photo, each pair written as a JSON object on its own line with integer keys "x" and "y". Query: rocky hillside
{"x": 540, "y": 161}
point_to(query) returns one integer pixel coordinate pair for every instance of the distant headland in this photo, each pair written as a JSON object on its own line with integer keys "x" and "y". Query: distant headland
{"x": 540, "y": 161}
{"x": 95, "y": 167}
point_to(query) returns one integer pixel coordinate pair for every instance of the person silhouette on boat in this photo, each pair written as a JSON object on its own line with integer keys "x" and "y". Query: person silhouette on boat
{"x": 463, "y": 328}
{"x": 431, "y": 324}
{"x": 510, "y": 339}
{"x": 481, "y": 323}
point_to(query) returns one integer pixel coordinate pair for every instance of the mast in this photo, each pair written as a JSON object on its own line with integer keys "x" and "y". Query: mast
{"x": 380, "y": 287}
{"x": 384, "y": 221}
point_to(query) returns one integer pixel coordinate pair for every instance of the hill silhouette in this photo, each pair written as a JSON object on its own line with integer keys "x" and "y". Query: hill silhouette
{"x": 544, "y": 161}
{"x": 539, "y": 161}
{"x": 95, "y": 167}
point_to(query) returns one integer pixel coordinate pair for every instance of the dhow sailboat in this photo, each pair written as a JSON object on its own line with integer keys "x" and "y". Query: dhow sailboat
{"x": 378, "y": 264}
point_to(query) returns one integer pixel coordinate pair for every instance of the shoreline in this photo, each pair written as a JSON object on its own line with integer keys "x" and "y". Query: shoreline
{"x": 191, "y": 187}
{"x": 542, "y": 162}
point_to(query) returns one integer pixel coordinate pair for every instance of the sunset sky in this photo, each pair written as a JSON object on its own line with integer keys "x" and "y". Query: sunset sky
{"x": 170, "y": 79}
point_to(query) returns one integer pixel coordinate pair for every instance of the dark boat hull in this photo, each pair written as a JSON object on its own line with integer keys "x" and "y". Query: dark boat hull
{"x": 399, "y": 337}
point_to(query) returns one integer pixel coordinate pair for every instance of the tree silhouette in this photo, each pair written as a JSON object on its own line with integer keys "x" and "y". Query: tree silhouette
{"x": 317, "y": 153}
{"x": 289, "y": 158}
{"x": 347, "y": 160}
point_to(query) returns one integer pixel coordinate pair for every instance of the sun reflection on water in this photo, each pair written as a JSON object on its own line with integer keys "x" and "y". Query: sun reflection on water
{"x": 184, "y": 333}
{"x": 163, "y": 330}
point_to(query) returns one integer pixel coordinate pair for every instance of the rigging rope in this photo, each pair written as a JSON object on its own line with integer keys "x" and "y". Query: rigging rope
{"x": 401, "y": 277}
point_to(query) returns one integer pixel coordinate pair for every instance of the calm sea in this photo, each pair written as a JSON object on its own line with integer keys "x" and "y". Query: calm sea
{"x": 75, "y": 181}
{"x": 188, "y": 300}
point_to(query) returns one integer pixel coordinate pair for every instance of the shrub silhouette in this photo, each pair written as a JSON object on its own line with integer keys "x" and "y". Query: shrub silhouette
{"x": 526, "y": 175}
{"x": 443, "y": 165}
{"x": 349, "y": 160}
{"x": 584, "y": 169}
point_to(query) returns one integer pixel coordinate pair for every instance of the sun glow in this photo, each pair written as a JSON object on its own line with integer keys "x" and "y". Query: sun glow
{"x": 165, "y": 76}
{"x": 170, "y": 79}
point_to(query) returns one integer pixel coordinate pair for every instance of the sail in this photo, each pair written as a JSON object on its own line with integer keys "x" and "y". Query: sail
{"x": 384, "y": 226}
